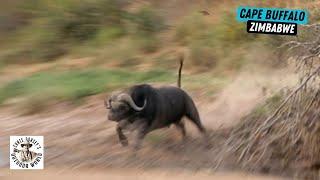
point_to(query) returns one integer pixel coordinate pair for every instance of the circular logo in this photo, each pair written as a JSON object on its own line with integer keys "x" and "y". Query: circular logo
{"x": 26, "y": 152}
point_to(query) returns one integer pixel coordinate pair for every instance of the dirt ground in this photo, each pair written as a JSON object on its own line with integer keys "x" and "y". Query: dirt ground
{"x": 81, "y": 139}
{"x": 129, "y": 174}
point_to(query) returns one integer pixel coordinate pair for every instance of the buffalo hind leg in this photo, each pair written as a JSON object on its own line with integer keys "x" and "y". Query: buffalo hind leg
{"x": 194, "y": 117}
{"x": 181, "y": 127}
{"x": 141, "y": 133}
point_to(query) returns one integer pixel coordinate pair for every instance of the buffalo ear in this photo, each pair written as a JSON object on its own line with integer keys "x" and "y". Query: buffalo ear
{"x": 30, "y": 145}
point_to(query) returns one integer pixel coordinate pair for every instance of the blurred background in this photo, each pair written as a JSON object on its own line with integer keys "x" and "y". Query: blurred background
{"x": 60, "y": 59}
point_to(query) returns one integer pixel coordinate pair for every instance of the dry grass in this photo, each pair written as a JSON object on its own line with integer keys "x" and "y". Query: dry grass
{"x": 285, "y": 137}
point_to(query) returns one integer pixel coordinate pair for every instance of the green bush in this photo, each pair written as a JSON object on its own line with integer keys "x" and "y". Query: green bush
{"x": 202, "y": 56}
{"x": 221, "y": 45}
{"x": 83, "y": 21}
{"x": 193, "y": 27}
{"x": 35, "y": 43}
{"x": 146, "y": 22}
{"x": 148, "y": 44}
{"x": 34, "y": 104}
{"x": 107, "y": 35}
{"x": 230, "y": 32}
{"x": 56, "y": 27}
{"x": 144, "y": 26}
{"x": 80, "y": 23}
{"x": 48, "y": 47}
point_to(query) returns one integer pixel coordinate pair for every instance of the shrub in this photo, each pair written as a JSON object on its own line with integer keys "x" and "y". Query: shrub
{"x": 48, "y": 47}
{"x": 202, "y": 56}
{"x": 229, "y": 32}
{"x": 35, "y": 104}
{"x": 144, "y": 26}
{"x": 56, "y": 27}
{"x": 106, "y": 35}
{"x": 193, "y": 27}
{"x": 211, "y": 43}
{"x": 35, "y": 43}
{"x": 80, "y": 22}
{"x": 147, "y": 22}
{"x": 148, "y": 44}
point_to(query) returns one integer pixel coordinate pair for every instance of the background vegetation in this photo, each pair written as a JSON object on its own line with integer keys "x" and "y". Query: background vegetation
{"x": 69, "y": 49}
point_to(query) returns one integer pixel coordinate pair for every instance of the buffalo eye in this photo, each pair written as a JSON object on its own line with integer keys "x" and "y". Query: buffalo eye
{"x": 122, "y": 107}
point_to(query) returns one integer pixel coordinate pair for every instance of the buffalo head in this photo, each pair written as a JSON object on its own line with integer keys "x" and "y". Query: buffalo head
{"x": 122, "y": 106}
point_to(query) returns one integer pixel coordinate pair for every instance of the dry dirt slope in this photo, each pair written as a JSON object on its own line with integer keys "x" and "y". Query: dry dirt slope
{"x": 135, "y": 175}
{"x": 81, "y": 138}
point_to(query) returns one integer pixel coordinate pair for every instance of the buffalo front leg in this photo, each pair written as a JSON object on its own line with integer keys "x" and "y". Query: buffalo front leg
{"x": 122, "y": 138}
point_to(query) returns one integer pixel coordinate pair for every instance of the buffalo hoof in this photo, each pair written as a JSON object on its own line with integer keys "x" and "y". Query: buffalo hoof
{"x": 208, "y": 146}
{"x": 133, "y": 155}
{"x": 124, "y": 142}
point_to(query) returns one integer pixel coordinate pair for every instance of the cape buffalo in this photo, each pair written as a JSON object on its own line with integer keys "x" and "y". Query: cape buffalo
{"x": 145, "y": 108}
